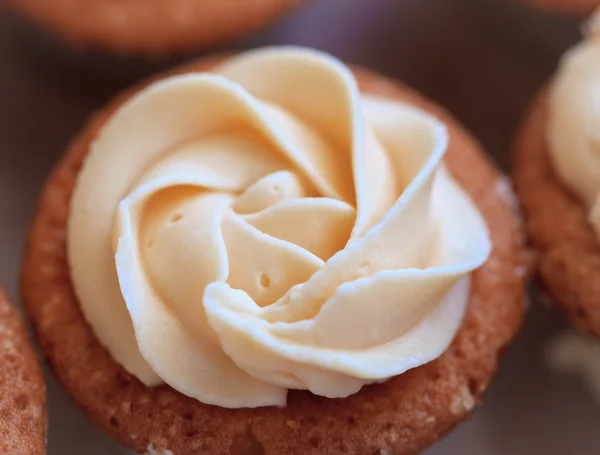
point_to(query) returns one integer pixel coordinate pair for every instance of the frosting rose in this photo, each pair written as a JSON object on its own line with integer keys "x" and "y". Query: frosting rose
{"x": 574, "y": 121}
{"x": 265, "y": 227}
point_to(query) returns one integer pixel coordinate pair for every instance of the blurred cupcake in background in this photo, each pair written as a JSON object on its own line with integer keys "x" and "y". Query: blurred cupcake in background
{"x": 150, "y": 28}
{"x": 557, "y": 177}
{"x": 120, "y": 42}
{"x": 23, "y": 423}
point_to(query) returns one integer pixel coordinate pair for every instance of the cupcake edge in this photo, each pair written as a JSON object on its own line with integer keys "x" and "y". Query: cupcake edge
{"x": 23, "y": 422}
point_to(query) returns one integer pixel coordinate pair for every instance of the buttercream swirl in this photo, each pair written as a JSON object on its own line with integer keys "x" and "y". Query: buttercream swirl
{"x": 265, "y": 227}
{"x": 574, "y": 121}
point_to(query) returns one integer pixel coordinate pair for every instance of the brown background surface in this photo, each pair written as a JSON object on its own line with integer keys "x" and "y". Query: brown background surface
{"x": 481, "y": 59}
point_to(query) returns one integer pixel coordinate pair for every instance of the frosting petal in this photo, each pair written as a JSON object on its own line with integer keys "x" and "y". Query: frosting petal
{"x": 321, "y": 226}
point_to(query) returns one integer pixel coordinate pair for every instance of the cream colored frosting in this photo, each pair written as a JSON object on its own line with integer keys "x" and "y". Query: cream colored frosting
{"x": 265, "y": 228}
{"x": 574, "y": 121}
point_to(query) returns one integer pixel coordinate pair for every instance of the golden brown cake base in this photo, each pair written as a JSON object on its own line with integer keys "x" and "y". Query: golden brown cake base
{"x": 23, "y": 421}
{"x": 401, "y": 416}
{"x": 568, "y": 249}
{"x": 150, "y": 27}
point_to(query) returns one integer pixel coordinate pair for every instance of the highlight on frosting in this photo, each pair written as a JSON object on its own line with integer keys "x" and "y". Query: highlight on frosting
{"x": 266, "y": 227}
{"x": 574, "y": 121}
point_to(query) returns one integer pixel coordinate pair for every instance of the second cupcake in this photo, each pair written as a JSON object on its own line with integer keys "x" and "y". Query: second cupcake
{"x": 557, "y": 176}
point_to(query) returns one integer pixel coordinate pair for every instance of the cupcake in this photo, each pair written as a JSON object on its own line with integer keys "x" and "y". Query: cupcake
{"x": 151, "y": 28}
{"x": 273, "y": 253}
{"x": 23, "y": 422}
{"x": 557, "y": 176}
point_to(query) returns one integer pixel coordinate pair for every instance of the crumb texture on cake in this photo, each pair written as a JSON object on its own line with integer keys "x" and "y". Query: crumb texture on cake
{"x": 22, "y": 389}
{"x": 401, "y": 416}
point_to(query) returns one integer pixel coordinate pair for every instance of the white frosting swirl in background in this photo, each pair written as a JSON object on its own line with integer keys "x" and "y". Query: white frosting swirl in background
{"x": 574, "y": 121}
{"x": 268, "y": 228}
